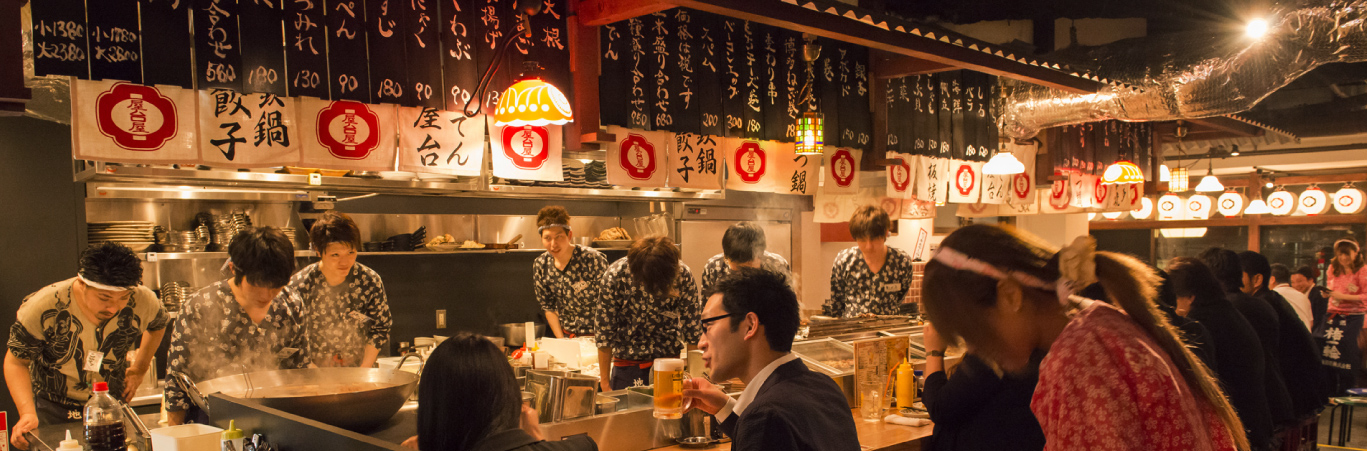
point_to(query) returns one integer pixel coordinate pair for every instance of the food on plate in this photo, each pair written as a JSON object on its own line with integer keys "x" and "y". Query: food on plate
{"x": 615, "y": 233}
{"x": 471, "y": 245}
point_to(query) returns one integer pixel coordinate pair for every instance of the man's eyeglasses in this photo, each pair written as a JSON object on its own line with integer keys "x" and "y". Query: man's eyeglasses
{"x": 706, "y": 321}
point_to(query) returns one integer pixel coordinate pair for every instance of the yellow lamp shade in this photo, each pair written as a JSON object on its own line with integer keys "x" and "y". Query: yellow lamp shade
{"x": 1123, "y": 171}
{"x": 532, "y": 101}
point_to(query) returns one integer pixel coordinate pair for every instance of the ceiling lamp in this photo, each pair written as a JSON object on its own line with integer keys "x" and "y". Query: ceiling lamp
{"x": 1209, "y": 184}
{"x": 1003, "y": 163}
{"x": 809, "y": 133}
{"x": 1257, "y": 207}
{"x": 1348, "y": 200}
{"x": 1257, "y": 29}
{"x": 1164, "y": 175}
{"x": 1123, "y": 171}
{"x": 532, "y": 101}
{"x": 1112, "y": 215}
{"x": 1190, "y": 232}
{"x": 1179, "y": 180}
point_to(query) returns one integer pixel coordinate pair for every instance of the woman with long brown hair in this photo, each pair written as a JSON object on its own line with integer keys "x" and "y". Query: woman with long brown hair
{"x": 1115, "y": 377}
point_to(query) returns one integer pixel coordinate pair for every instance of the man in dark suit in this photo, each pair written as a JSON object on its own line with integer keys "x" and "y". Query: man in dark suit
{"x": 748, "y": 327}
{"x": 1300, "y": 359}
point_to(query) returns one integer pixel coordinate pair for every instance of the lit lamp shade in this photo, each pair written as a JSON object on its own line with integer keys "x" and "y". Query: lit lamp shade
{"x": 532, "y": 101}
{"x": 1171, "y": 208}
{"x": 809, "y": 134}
{"x": 1112, "y": 215}
{"x": 1178, "y": 180}
{"x": 1123, "y": 171}
{"x": 1230, "y": 204}
{"x": 1199, "y": 206}
{"x": 1164, "y": 174}
{"x": 1257, "y": 207}
{"x": 1003, "y": 163}
{"x": 1348, "y": 201}
{"x": 1145, "y": 209}
{"x": 1313, "y": 201}
{"x": 1209, "y": 184}
{"x": 1190, "y": 232}
{"x": 1282, "y": 203}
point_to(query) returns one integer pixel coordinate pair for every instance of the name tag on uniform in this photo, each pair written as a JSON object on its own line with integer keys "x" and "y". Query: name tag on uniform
{"x": 580, "y": 285}
{"x": 286, "y": 353}
{"x": 358, "y": 317}
{"x": 893, "y": 286}
{"x": 672, "y": 315}
{"x": 93, "y": 361}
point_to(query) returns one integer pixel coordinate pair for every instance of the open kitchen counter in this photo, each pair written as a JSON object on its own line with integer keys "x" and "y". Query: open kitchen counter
{"x": 873, "y": 436}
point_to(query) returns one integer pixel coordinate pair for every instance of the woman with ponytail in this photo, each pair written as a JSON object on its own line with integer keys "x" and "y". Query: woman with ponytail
{"x": 1115, "y": 378}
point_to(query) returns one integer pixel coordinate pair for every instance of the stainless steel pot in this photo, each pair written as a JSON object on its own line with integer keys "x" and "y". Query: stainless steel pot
{"x": 515, "y": 335}
{"x": 357, "y": 399}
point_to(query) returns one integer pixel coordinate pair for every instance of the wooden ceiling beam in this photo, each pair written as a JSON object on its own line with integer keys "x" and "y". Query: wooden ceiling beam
{"x": 897, "y": 66}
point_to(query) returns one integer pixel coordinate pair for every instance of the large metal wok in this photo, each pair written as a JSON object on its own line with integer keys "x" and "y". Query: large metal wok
{"x": 358, "y": 399}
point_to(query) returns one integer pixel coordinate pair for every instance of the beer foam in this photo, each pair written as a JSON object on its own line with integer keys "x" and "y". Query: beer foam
{"x": 669, "y": 364}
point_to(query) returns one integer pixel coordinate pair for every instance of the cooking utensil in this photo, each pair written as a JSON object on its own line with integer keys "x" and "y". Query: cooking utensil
{"x": 515, "y": 335}
{"x": 695, "y": 442}
{"x": 511, "y": 244}
{"x": 357, "y": 399}
{"x": 33, "y": 439}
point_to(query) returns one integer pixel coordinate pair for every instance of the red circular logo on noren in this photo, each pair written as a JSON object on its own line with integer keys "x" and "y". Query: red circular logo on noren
{"x": 1099, "y": 191}
{"x": 349, "y": 130}
{"x": 831, "y": 210}
{"x": 889, "y": 206}
{"x": 528, "y": 146}
{"x": 637, "y": 157}
{"x": 751, "y": 162}
{"x": 136, "y": 117}
{"x": 843, "y": 168}
{"x": 1059, "y": 196}
{"x": 900, "y": 175}
{"x": 964, "y": 179}
{"x": 1021, "y": 185}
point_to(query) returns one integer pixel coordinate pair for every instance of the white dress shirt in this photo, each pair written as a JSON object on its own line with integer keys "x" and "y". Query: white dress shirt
{"x": 752, "y": 388}
{"x": 1298, "y": 301}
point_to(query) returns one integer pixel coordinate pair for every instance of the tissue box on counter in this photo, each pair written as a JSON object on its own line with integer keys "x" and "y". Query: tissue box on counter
{"x": 187, "y": 437}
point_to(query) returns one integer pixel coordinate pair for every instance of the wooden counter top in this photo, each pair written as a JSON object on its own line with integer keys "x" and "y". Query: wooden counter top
{"x": 873, "y": 436}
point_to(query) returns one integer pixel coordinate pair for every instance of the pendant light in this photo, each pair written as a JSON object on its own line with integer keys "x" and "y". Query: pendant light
{"x": 530, "y": 101}
{"x": 811, "y": 124}
{"x": 1209, "y": 184}
{"x": 1164, "y": 174}
{"x": 1003, "y": 163}
{"x": 1179, "y": 181}
{"x": 1121, "y": 172}
{"x": 1257, "y": 207}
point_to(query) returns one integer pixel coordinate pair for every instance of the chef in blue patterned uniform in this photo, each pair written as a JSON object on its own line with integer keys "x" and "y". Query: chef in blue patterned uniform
{"x": 348, "y": 317}
{"x": 743, "y": 246}
{"x": 650, "y": 309}
{"x": 250, "y": 321}
{"x": 565, "y": 278}
{"x": 870, "y": 278}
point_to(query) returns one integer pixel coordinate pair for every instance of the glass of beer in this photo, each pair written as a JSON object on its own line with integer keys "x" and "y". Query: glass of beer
{"x": 669, "y": 377}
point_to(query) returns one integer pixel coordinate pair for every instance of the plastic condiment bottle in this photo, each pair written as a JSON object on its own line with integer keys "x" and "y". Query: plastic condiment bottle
{"x": 104, "y": 430}
{"x": 232, "y": 437}
{"x": 70, "y": 444}
{"x": 906, "y": 385}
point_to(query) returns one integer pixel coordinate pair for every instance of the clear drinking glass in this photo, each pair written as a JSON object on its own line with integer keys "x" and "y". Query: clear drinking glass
{"x": 871, "y": 403}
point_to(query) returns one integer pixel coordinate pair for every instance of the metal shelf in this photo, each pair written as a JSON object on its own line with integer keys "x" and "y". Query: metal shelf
{"x": 543, "y": 192}
{"x": 159, "y": 256}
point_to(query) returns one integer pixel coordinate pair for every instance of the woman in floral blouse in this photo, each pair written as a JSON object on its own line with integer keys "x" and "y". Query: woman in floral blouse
{"x": 650, "y": 309}
{"x": 348, "y": 313}
{"x": 870, "y": 278}
{"x": 565, "y": 278}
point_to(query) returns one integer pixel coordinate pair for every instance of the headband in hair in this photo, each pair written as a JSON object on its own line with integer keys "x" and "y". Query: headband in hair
{"x": 544, "y": 227}
{"x": 957, "y": 260}
{"x": 1077, "y": 267}
{"x": 100, "y": 286}
{"x": 1350, "y": 242}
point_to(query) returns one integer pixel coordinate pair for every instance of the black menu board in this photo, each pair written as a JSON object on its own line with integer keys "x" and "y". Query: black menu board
{"x": 493, "y": 24}
{"x": 550, "y": 48}
{"x": 684, "y": 45}
{"x": 218, "y": 53}
{"x": 899, "y": 115}
{"x": 752, "y": 68}
{"x": 944, "y": 112}
{"x": 778, "y": 124}
{"x": 165, "y": 57}
{"x": 1087, "y": 160}
{"x": 988, "y": 113}
{"x": 827, "y": 90}
{"x": 709, "y": 70}
{"x": 115, "y": 43}
{"x": 59, "y": 38}
{"x": 263, "y": 59}
{"x": 964, "y": 145}
{"x": 640, "y": 95}
{"x": 855, "y": 117}
{"x": 614, "y": 77}
{"x": 459, "y": 43}
{"x": 923, "y": 123}
{"x": 386, "y": 42}
{"x": 733, "y": 75}
{"x": 306, "y": 49}
{"x": 662, "y": 72}
{"x": 346, "y": 42}
{"x": 422, "y": 46}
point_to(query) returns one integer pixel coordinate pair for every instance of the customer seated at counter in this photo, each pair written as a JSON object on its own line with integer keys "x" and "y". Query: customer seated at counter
{"x": 648, "y": 311}
{"x": 469, "y": 401}
{"x": 979, "y": 407}
{"x": 74, "y": 333}
{"x": 1114, "y": 377}
{"x": 347, "y": 316}
{"x": 870, "y": 278}
{"x": 743, "y": 245}
{"x": 249, "y": 322}
{"x": 565, "y": 278}
{"x": 748, "y": 329}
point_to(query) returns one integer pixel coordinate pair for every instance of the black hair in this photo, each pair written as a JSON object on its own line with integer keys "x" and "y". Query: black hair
{"x": 469, "y": 392}
{"x": 334, "y": 227}
{"x": 654, "y": 265}
{"x": 111, "y": 263}
{"x": 870, "y": 222}
{"x": 263, "y": 256}
{"x": 1308, "y": 272}
{"x": 1192, "y": 277}
{"x": 743, "y": 242}
{"x": 1281, "y": 273}
{"x": 1255, "y": 264}
{"x": 1226, "y": 267}
{"x": 1166, "y": 295}
{"x": 766, "y": 294}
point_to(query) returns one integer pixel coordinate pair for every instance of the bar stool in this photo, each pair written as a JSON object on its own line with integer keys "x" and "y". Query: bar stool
{"x": 1346, "y": 419}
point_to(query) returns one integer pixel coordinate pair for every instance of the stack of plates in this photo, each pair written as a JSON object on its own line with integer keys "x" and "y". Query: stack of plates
{"x": 294, "y": 239}
{"x": 137, "y": 235}
{"x": 596, "y": 172}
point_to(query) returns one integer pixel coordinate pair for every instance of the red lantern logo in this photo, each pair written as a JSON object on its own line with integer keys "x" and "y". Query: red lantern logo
{"x": 1021, "y": 185}
{"x": 349, "y": 130}
{"x": 751, "y": 162}
{"x": 1099, "y": 191}
{"x": 1060, "y": 195}
{"x": 637, "y": 157}
{"x": 964, "y": 179}
{"x": 900, "y": 175}
{"x": 136, "y": 117}
{"x": 842, "y": 168}
{"x": 528, "y": 147}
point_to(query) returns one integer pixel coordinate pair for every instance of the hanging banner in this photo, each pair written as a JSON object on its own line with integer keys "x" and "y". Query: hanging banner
{"x": 1230, "y": 204}
{"x": 913, "y": 208}
{"x": 127, "y": 123}
{"x": 750, "y": 165}
{"x": 347, "y": 135}
{"x": 115, "y": 42}
{"x": 1082, "y": 189}
{"x": 996, "y": 188}
{"x": 247, "y": 130}
{"x": 798, "y": 174}
{"x": 695, "y": 160}
{"x": 1348, "y": 200}
{"x": 528, "y": 153}
{"x": 1123, "y": 197}
{"x": 1313, "y": 201}
{"x": 965, "y": 181}
{"x": 1281, "y": 202}
{"x": 841, "y": 170}
{"x": 1170, "y": 207}
{"x": 932, "y": 179}
{"x": 891, "y": 205}
{"x": 440, "y": 142}
{"x": 1058, "y": 198}
{"x": 833, "y": 208}
{"x": 166, "y": 60}
{"x": 637, "y": 158}
{"x": 899, "y": 175}
{"x": 977, "y": 210}
{"x": 1019, "y": 208}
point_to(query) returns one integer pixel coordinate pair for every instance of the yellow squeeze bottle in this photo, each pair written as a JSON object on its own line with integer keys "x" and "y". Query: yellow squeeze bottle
{"x": 906, "y": 385}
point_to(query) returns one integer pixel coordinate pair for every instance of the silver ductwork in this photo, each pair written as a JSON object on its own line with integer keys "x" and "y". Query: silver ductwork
{"x": 1194, "y": 76}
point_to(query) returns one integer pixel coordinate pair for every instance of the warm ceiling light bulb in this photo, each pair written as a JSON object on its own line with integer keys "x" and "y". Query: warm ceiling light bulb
{"x": 1257, "y": 28}
{"x": 1003, "y": 163}
{"x": 1209, "y": 184}
{"x": 532, "y": 101}
{"x": 1122, "y": 171}
{"x": 1164, "y": 174}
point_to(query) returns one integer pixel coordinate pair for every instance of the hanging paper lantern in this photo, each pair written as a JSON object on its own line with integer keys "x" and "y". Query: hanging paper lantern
{"x": 1171, "y": 208}
{"x": 1091, "y": 216}
{"x": 1145, "y": 209}
{"x": 1348, "y": 200}
{"x": 809, "y": 134}
{"x": 1313, "y": 201}
{"x": 1230, "y": 204}
{"x": 1112, "y": 215}
{"x": 1178, "y": 180}
{"x": 1199, "y": 206}
{"x": 1281, "y": 202}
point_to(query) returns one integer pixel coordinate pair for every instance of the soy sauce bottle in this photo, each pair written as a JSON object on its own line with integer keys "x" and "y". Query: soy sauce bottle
{"x": 104, "y": 429}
